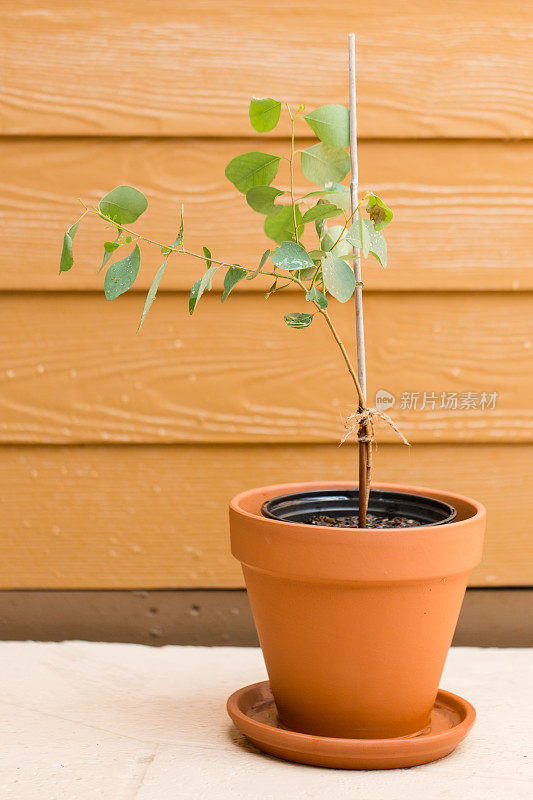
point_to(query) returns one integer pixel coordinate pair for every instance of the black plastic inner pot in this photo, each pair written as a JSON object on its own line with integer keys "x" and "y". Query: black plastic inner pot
{"x": 302, "y": 506}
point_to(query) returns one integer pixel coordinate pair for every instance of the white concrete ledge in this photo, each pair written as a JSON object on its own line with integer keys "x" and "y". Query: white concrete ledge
{"x": 80, "y": 721}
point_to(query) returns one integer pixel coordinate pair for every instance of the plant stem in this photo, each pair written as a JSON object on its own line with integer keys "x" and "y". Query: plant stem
{"x": 139, "y": 237}
{"x": 291, "y": 161}
{"x": 340, "y": 344}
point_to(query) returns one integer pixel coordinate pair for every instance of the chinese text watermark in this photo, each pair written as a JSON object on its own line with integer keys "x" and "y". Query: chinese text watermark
{"x": 438, "y": 401}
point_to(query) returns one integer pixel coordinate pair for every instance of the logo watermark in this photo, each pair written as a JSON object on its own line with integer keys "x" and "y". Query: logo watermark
{"x": 384, "y": 400}
{"x": 437, "y": 401}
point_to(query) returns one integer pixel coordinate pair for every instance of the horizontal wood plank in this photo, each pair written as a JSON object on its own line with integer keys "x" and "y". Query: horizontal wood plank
{"x": 462, "y": 210}
{"x": 156, "y": 517}
{"x": 436, "y": 69}
{"x": 72, "y": 369}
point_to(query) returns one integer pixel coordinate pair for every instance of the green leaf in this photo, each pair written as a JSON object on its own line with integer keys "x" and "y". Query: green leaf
{"x": 261, "y": 199}
{"x": 121, "y": 275}
{"x": 152, "y": 291}
{"x": 272, "y": 289}
{"x": 262, "y": 263}
{"x": 331, "y": 124}
{"x": 109, "y": 249}
{"x": 315, "y": 296}
{"x": 321, "y": 211}
{"x": 353, "y": 234}
{"x": 364, "y": 236}
{"x": 334, "y": 192}
{"x": 264, "y": 258}
{"x": 291, "y": 256}
{"x": 377, "y": 244}
{"x": 199, "y": 288}
{"x": 379, "y": 213}
{"x": 316, "y": 255}
{"x": 306, "y": 274}
{"x": 280, "y": 226}
{"x": 208, "y": 256}
{"x": 339, "y": 278}
{"x": 264, "y": 113}
{"x": 123, "y": 204}
{"x": 179, "y": 238}
{"x": 322, "y": 163}
{"x": 298, "y": 320}
{"x": 339, "y": 194}
{"x": 67, "y": 260}
{"x": 252, "y": 169}
{"x": 231, "y": 278}
{"x": 320, "y": 224}
{"x": 342, "y": 248}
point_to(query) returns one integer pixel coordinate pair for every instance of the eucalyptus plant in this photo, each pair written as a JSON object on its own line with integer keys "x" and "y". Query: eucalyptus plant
{"x": 321, "y": 271}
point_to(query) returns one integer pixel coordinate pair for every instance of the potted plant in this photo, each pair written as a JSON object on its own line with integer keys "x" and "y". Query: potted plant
{"x": 355, "y": 590}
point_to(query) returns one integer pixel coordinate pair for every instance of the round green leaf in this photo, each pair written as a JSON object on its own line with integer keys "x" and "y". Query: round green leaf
{"x": 336, "y": 193}
{"x": 291, "y": 256}
{"x": 298, "y": 320}
{"x": 353, "y": 234}
{"x": 342, "y": 248}
{"x": 339, "y": 278}
{"x": 121, "y": 275}
{"x": 331, "y": 124}
{"x": 264, "y": 113}
{"x": 306, "y": 274}
{"x": 280, "y": 226}
{"x": 261, "y": 199}
{"x": 364, "y": 236}
{"x": 322, "y": 163}
{"x": 252, "y": 169}
{"x": 321, "y": 211}
{"x": 374, "y": 242}
{"x": 123, "y": 204}
{"x": 339, "y": 194}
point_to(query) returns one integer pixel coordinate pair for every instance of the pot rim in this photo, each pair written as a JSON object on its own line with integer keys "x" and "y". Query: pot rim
{"x": 316, "y": 552}
{"x": 273, "y": 490}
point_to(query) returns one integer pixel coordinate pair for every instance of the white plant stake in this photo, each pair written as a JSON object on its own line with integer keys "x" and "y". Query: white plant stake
{"x": 354, "y": 188}
{"x": 365, "y": 452}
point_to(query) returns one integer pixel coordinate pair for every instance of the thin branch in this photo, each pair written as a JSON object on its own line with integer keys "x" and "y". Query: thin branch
{"x": 289, "y": 278}
{"x": 291, "y": 161}
{"x": 340, "y": 344}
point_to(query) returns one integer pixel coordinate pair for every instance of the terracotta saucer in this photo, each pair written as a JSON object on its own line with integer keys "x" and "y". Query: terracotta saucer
{"x": 253, "y": 712}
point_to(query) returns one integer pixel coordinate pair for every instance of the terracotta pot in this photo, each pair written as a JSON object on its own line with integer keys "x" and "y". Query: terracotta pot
{"x": 355, "y": 624}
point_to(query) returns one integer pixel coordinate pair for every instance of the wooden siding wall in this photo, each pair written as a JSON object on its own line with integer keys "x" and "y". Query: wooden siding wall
{"x": 119, "y": 452}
